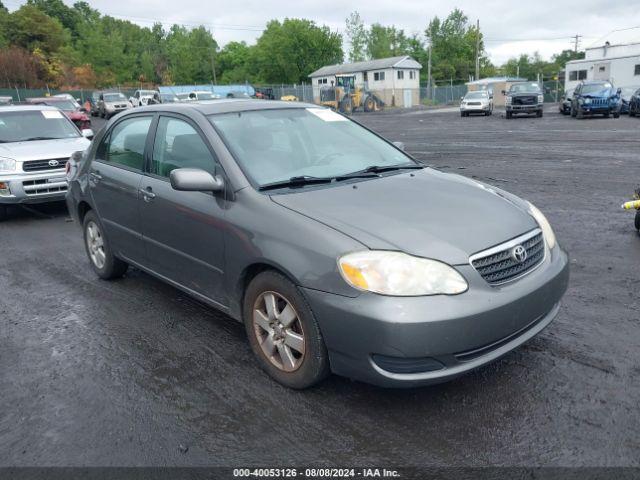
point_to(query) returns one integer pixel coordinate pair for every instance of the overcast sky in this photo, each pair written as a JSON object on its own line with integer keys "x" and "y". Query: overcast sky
{"x": 510, "y": 27}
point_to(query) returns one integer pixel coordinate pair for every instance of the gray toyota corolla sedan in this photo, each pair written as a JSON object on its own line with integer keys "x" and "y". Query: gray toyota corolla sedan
{"x": 335, "y": 248}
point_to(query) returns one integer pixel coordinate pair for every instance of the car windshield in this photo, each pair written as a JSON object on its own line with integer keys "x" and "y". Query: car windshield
{"x": 596, "y": 88}
{"x": 278, "y": 145}
{"x": 114, "y": 97}
{"x": 529, "y": 87}
{"x": 26, "y": 125}
{"x": 204, "y": 96}
{"x": 569, "y": 93}
{"x": 148, "y": 93}
{"x": 182, "y": 96}
{"x": 65, "y": 105}
{"x": 476, "y": 95}
{"x": 168, "y": 98}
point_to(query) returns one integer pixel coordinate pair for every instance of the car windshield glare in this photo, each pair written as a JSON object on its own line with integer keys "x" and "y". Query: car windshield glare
{"x": 277, "y": 145}
{"x": 24, "y": 125}
{"x": 596, "y": 88}
{"x": 531, "y": 87}
{"x": 476, "y": 95}
{"x": 65, "y": 105}
{"x": 114, "y": 97}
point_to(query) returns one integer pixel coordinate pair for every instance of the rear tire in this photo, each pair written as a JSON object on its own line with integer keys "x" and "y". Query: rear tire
{"x": 3, "y": 212}
{"x": 272, "y": 331}
{"x": 369, "y": 104}
{"x": 101, "y": 257}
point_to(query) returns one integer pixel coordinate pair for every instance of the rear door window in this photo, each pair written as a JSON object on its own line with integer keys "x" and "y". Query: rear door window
{"x": 124, "y": 145}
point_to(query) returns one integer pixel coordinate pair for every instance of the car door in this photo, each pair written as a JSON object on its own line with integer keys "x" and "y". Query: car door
{"x": 183, "y": 231}
{"x": 114, "y": 182}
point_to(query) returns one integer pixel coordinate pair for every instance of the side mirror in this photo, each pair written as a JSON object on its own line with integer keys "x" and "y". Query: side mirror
{"x": 504, "y": 92}
{"x": 83, "y": 110}
{"x": 78, "y": 100}
{"x": 195, "y": 180}
{"x": 619, "y": 91}
{"x": 87, "y": 133}
{"x": 461, "y": 98}
{"x": 399, "y": 145}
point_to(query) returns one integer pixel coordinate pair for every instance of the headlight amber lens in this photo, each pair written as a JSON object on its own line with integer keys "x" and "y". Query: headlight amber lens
{"x": 544, "y": 224}
{"x": 399, "y": 274}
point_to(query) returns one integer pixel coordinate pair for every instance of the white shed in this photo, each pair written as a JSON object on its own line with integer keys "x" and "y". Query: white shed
{"x": 396, "y": 80}
{"x": 618, "y": 63}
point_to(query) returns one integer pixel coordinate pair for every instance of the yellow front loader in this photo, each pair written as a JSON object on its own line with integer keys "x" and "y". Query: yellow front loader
{"x": 345, "y": 97}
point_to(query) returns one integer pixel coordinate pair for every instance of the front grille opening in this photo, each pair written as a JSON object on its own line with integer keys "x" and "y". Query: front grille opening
{"x": 43, "y": 186}
{"x": 469, "y": 355}
{"x": 501, "y": 266}
{"x": 407, "y": 365}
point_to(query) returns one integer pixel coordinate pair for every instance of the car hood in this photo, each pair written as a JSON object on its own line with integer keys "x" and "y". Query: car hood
{"x": 113, "y": 104}
{"x": 524, "y": 94}
{"x": 43, "y": 149}
{"x": 431, "y": 214}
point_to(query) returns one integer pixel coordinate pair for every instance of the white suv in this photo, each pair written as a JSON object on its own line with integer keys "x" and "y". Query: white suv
{"x": 35, "y": 145}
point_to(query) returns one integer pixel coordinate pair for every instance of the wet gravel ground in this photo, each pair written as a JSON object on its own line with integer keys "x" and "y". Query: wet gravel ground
{"x": 134, "y": 372}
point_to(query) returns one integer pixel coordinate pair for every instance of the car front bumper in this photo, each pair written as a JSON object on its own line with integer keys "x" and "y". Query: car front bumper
{"x": 453, "y": 334}
{"x": 523, "y": 108}
{"x": 475, "y": 108}
{"x": 34, "y": 188}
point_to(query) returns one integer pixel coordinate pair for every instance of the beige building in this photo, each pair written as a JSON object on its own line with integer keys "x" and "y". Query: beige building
{"x": 395, "y": 80}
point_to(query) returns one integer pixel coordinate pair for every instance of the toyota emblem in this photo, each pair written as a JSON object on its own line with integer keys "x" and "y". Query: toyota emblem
{"x": 519, "y": 253}
{"x": 54, "y": 163}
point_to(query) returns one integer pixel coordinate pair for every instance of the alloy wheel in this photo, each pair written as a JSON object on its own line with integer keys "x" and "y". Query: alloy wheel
{"x": 279, "y": 332}
{"x": 95, "y": 245}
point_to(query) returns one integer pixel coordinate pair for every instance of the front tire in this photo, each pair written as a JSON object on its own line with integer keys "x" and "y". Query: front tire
{"x": 101, "y": 257}
{"x": 509, "y": 115}
{"x": 616, "y": 114}
{"x": 283, "y": 333}
{"x": 3, "y": 212}
{"x": 539, "y": 113}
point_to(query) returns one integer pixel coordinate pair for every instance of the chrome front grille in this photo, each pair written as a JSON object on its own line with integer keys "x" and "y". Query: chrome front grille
{"x": 599, "y": 102}
{"x": 502, "y": 263}
{"x": 43, "y": 165}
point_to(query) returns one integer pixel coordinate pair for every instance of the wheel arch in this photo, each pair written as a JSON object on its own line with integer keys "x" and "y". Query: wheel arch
{"x": 83, "y": 209}
{"x": 250, "y": 272}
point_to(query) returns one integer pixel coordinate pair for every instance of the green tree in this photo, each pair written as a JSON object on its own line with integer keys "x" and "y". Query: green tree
{"x": 289, "y": 51}
{"x": 67, "y": 16}
{"x": 385, "y": 42}
{"x": 356, "y": 34}
{"x": 453, "y": 43}
{"x": 190, "y": 54}
{"x": 233, "y": 63}
{"x": 30, "y": 28}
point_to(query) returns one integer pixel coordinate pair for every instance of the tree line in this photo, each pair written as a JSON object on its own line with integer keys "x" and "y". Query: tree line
{"x": 47, "y": 43}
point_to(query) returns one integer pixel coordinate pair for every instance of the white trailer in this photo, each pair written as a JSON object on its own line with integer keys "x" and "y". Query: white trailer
{"x": 618, "y": 63}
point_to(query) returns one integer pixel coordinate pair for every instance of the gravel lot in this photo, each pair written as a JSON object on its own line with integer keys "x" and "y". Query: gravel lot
{"x": 134, "y": 372}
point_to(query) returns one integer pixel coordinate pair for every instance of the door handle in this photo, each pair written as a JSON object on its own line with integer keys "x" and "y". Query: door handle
{"x": 96, "y": 176}
{"x": 147, "y": 194}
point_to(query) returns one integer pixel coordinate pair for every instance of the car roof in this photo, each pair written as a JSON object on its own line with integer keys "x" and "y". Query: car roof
{"x": 595, "y": 82}
{"x": 227, "y": 105}
{"x": 36, "y": 108}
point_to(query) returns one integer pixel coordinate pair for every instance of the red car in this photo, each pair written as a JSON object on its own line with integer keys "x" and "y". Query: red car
{"x": 77, "y": 115}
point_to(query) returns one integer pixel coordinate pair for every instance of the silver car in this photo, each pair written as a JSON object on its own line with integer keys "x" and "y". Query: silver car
{"x": 35, "y": 144}
{"x": 336, "y": 249}
{"x": 112, "y": 103}
{"x": 476, "y": 102}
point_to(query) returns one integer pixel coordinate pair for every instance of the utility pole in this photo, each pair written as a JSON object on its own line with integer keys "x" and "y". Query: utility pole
{"x": 576, "y": 43}
{"x": 478, "y": 49}
{"x": 213, "y": 67}
{"x": 429, "y": 73}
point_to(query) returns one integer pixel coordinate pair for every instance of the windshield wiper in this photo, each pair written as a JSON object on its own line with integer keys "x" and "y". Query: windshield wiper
{"x": 38, "y": 138}
{"x": 295, "y": 182}
{"x": 373, "y": 170}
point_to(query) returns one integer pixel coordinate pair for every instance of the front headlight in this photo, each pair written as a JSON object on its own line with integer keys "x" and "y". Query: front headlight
{"x": 7, "y": 164}
{"x": 587, "y": 100}
{"x": 399, "y": 274}
{"x": 507, "y": 100}
{"x": 544, "y": 224}
{"x": 540, "y": 98}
